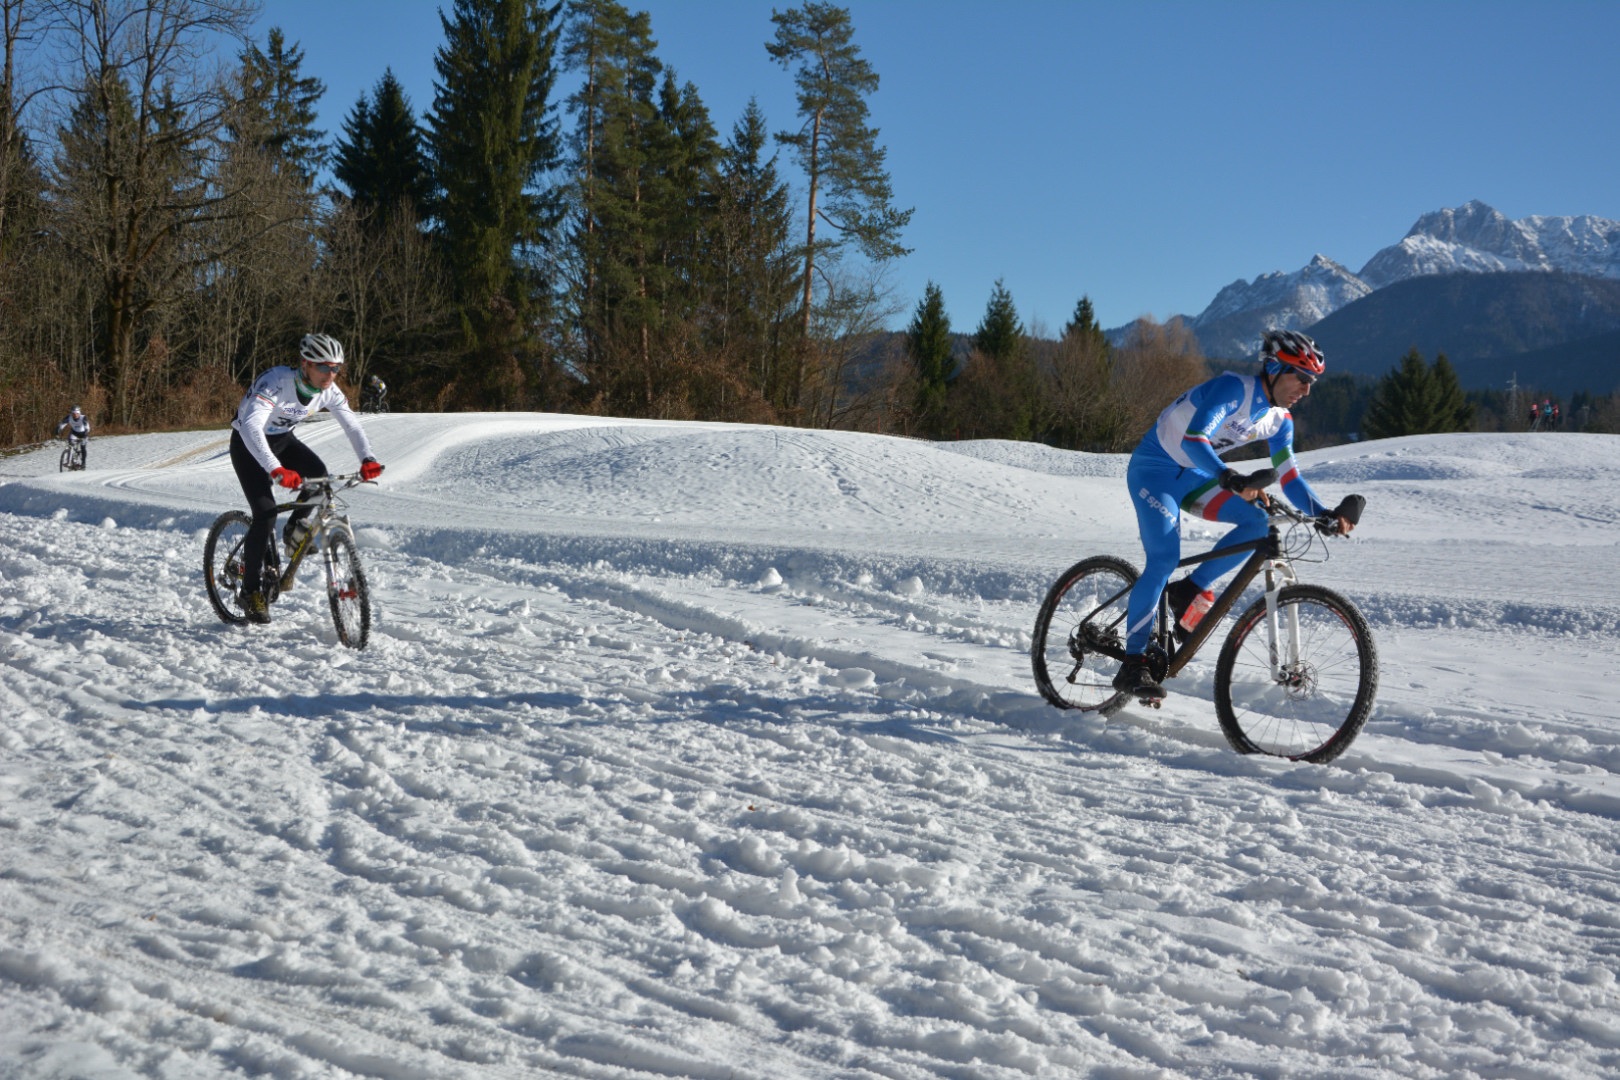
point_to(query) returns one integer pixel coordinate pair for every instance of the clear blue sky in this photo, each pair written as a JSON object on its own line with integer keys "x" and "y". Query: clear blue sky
{"x": 1146, "y": 154}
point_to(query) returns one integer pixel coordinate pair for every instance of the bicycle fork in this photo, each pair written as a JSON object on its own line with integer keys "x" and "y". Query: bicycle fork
{"x": 1282, "y": 625}
{"x": 338, "y": 586}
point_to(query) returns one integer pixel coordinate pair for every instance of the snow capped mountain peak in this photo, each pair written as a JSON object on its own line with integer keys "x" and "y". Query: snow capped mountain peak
{"x": 1242, "y": 312}
{"x": 1477, "y": 238}
{"x": 1472, "y": 238}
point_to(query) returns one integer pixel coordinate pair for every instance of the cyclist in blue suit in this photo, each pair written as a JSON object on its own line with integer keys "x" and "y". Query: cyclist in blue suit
{"x": 1177, "y": 466}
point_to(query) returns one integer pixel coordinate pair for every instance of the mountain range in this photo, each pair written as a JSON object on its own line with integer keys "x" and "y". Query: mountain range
{"x": 1513, "y": 286}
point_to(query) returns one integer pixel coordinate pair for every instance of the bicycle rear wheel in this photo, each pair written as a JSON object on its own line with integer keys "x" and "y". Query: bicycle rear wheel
{"x": 1329, "y": 677}
{"x": 1083, "y": 610}
{"x": 347, "y": 590}
{"x": 223, "y": 564}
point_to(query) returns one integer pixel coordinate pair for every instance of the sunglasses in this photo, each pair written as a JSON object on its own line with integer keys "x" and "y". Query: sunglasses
{"x": 332, "y": 368}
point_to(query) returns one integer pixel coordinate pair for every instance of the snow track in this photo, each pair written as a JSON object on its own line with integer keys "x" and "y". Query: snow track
{"x": 713, "y": 802}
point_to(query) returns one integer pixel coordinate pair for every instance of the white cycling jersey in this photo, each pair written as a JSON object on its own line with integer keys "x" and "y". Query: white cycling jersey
{"x": 272, "y": 407}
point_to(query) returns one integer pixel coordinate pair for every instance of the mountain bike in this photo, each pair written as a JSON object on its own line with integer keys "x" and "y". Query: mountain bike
{"x": 1296, "y": 677}
{"x": 73, "y": 455}
{"x": 328, "y": 530}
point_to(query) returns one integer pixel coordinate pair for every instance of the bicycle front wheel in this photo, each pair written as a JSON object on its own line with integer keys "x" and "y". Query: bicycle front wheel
{"x": 223, "y": 564}
{"x": 1084, "y": 610}
{"x": 1312, "y": 702}
{"x": 346, "y": 588}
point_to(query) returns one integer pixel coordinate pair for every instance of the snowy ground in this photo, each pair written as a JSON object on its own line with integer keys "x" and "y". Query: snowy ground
{"x": 712, "y": 751}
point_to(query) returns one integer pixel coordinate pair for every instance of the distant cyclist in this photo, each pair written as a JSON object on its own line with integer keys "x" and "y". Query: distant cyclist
{"x": 376, "y": 395}
{"x": 1177, "y": 466}
{"x": 77, "y": 425}
{"x": 265, "y": 450}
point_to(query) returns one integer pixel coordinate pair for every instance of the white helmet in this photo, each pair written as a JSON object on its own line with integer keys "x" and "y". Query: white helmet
{"x": 320, "y": 349}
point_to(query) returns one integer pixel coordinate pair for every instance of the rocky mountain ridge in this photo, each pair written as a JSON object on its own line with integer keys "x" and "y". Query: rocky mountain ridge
{"x": 1474, "y": 238}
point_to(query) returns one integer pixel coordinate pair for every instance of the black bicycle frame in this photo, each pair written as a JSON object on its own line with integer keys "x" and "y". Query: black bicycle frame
{"x": 1266, "y": 549}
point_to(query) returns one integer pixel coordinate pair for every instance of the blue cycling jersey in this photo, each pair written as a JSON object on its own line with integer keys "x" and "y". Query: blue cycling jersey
{"x": 1177, "y": 467}
{"x": 1215, "y": 418}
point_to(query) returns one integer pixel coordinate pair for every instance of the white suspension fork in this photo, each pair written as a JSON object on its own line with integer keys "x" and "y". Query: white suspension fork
{"x": 1282, "y": 629}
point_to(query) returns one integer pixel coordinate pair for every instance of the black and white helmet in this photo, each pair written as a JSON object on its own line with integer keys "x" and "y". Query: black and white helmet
{"x": 321, "y": 349}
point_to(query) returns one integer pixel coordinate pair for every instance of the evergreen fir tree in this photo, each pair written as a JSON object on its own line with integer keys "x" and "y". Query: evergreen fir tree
{"x": 1084, "y": 323}
{"x": 928, "y": 342}
{"x": 1415, "y": 399}
{"x": 380, "y": 158}
{"x": 1453, "y": 410}
{"x": 614, "y": 115}
{"x": 999, "y": 335}
{"x": 493, "y": 138}
{"x": 998, "y": 398}
{"x": 753, "y": 222}
{"x": 279, "y": 108}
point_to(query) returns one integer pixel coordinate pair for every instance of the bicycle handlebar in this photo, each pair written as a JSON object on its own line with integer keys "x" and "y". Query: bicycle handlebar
{"x": 348, "y": 480}
{"x": 1326, "y": 524}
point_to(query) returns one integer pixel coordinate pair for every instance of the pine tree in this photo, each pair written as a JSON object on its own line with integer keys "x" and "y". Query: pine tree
{"x": 278, "y": 108}
{"x": 928, "y": 342}
{"x": 997, "y": 396}
{"x": 999, "y": 335}
{"x": 492, "y": 139}
{"x": 753, "y": 221}
{"x": 380, "y": 158}
{"x": 848, "y": 185}
{"x": 1414, "y": 399}
{"x": 1453, "y": 410}
{"x": 614, "y": 115}
{"x": 1078, "y": 404}
{"x": 1084, "y": 323}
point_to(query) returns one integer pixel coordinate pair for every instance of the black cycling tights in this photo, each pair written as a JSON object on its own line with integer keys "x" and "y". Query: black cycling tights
{"x": 261, "y": 496}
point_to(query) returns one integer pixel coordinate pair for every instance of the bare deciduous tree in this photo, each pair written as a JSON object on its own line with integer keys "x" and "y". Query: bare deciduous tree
{"x": 135, "y": 174}
{"x": 381, "y": 284}
{"x": 1156, "y": 364}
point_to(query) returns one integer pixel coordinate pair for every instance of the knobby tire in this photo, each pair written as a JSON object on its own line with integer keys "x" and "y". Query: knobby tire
{"x": 1069, "y": 673}
{"x": 1316, "y": 712}
{"x": 348, "y": 591}
{"x": 223, "y": 563}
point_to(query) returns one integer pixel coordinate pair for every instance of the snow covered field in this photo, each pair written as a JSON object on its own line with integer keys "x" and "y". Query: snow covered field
{"x": 689, "y": 750}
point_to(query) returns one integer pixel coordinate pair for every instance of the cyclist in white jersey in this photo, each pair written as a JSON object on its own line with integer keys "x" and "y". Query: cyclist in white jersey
{"x": 77, "y": 425}
{"x": 1177, "y": 467}
{"x": 264, "y": 448}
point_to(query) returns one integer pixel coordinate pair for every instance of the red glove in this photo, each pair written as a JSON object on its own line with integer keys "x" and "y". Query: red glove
{"x": 370, "y": 469}
{"x": 286, "y": 477}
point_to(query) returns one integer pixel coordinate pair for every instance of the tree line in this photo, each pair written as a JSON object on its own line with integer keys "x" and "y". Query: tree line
{"x": 564, "y": 227}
